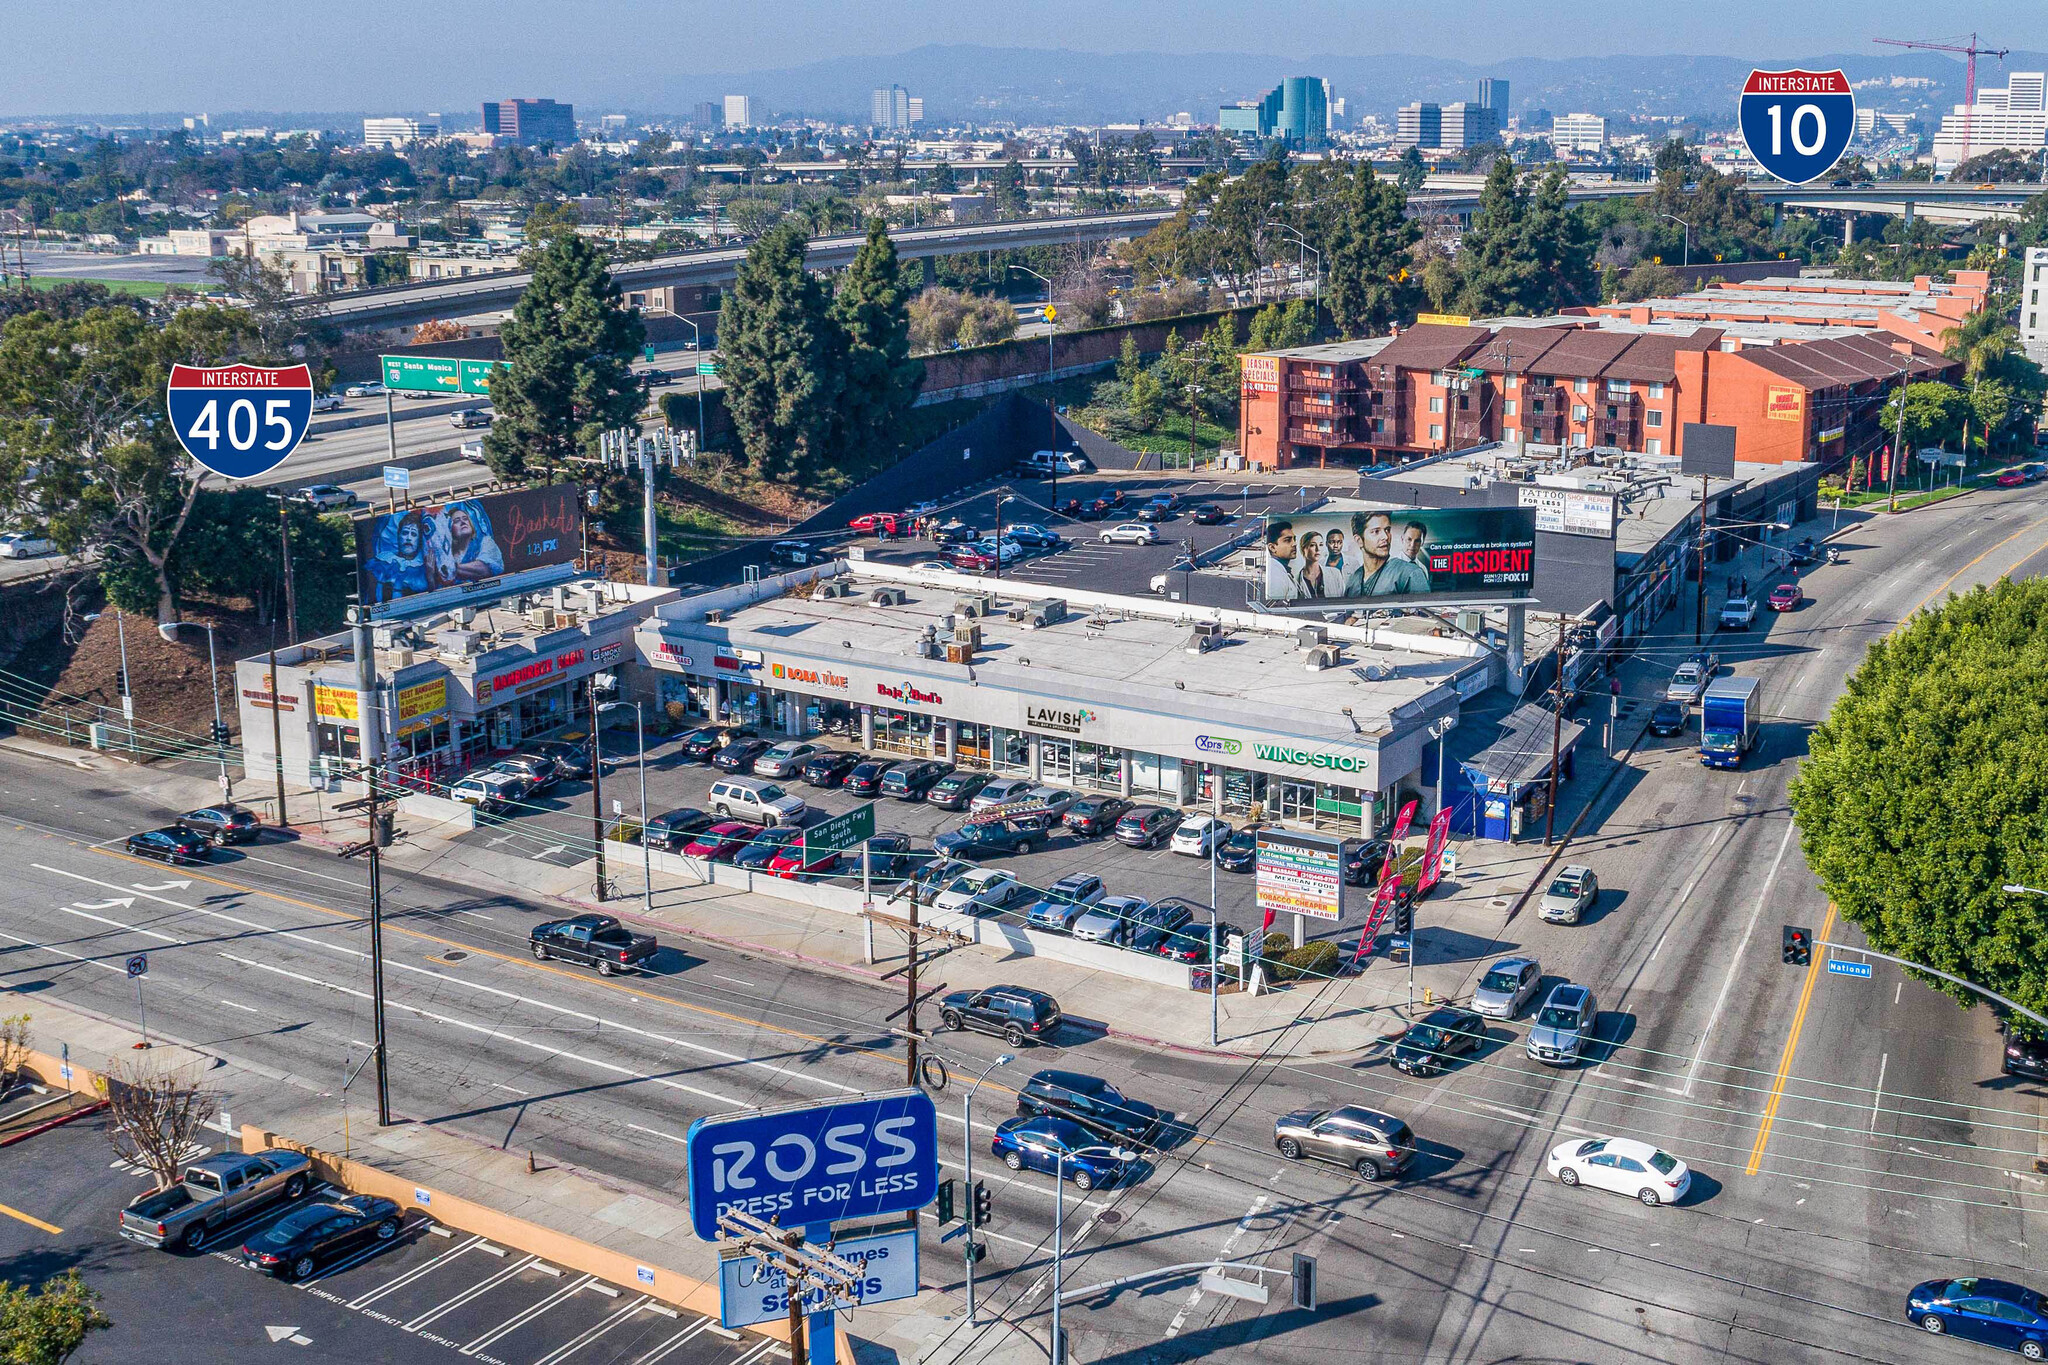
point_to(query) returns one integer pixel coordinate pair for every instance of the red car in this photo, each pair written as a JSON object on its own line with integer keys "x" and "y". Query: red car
{"x": 790, "y": 862}
{"x": 721, "y": 841}
{"x": 2011, "y": 478}
{"x": 881, "y": 524}
{"x": 1785, "y": 597}
{"x": 968, "y": 558}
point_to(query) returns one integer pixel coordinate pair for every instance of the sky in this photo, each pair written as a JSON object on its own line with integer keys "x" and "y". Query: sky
{"x": 136, "y": 56}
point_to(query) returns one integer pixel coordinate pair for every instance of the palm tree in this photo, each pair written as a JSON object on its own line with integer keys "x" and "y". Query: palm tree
{"x": 1981, "y": 341}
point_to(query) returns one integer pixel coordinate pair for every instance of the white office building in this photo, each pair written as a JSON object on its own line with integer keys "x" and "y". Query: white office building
{"x": 2033, "y": 307}
{"x": 1466, "y": 124}
{"x": 1420, "y": 124}
{"x": 739, "y": 111}
{"x": 2013, "y": 119}
{"x": 1579, "y": 133}
{"x": 391, "y": 134}
{"x": 889, "y": 109}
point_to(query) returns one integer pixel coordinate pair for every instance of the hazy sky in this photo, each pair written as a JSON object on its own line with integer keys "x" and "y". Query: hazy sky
{"x": 146, "y": 55}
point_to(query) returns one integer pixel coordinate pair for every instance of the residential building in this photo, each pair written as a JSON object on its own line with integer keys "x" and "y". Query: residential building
{"x": 1420, "y": 124}
{"x": 391, "y": 134}
{"x": 530, "y": 123}
{"x": 1465, "y": 124}
{"x": 1921, "y": 310}
{"x": 1297, "y": 111}
{"x": 2013, "y": 119}
{"x": 1493, "y": 94}
{"x": 914, "y": 114}
{"x": 1877, "y": 123}
{"x": 739, "y": 111}
{"x": 2033, "y": 315}
{"x": 611, "y": 126}
{"x": 1579, "y": 133}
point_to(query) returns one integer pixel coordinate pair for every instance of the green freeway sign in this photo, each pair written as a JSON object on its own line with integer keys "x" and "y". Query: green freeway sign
{"x": 476, "y": 375}
{"x": 839, "y": 834}
{"x": 707, "y": 367}
{"x": 435, "y": 374}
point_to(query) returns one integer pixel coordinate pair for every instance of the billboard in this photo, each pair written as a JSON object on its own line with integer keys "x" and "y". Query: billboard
{"x": 1400, "y": 554}
{"x": 1570, "y": 511}
{"x": 413, "y": 555}
{"x": 818, "y": 1162}
{"x": 1300, "y": 874}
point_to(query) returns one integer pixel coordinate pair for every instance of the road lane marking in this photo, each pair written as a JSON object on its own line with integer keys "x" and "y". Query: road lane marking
{"x": 116, "y": 924}
{"x": 88, "y": 961}
{"x": 1763, "y": 1132}
{"x": 32, "y": 1220}
{"x": 1877, "y": 1095}
{"x": 1699, "y": 1057}
{"x": 233, "y": 1006}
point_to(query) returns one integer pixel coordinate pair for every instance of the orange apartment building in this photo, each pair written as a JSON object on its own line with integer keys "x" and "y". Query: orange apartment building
{"x": 1578, "y": 381}
{"x": 1920, "y": 311}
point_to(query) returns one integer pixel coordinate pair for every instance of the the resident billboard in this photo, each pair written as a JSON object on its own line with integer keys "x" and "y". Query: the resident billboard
{"x": 1389, "y": 555}
{"x": 419, "y": 556}
{"x": 1300, "y": 874}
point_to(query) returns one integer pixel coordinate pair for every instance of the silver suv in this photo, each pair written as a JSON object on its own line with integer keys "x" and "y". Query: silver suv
{"x": 1571, "y": 895}
{"x": 1564, "y": 1026}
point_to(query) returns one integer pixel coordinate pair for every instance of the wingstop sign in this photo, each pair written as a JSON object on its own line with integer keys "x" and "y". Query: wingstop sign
{"x": 1797, "y": 124}
{"x": 240, "y": 421}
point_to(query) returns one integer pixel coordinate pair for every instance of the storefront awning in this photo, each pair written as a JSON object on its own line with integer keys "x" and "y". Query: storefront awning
{"x": 1522, "y": 753}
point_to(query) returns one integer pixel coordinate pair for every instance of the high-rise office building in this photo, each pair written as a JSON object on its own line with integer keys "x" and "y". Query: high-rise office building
{"x": 2013, "y": 119}
{"x": 1297, "y": 111}
{"x": 1579, "y": 133}
{"x": 1465, "y": 124}
{"x": 390, "y": 134}
{"x": 706, "y": 115}
{"x": 889, "y": 109}
{"x": 916, "y": 111}
{"x": 1493, "y": 94}
{"x": 1420, "y": 124}
{"x": 531, "y": 122}
{"x": 739, "y": 111}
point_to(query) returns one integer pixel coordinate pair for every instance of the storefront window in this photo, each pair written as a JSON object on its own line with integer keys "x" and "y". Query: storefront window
{"x": 338, "y": 741}
{"x": 1158, "y": 775}
{"x": 1098, "y": 767}
{"x": 744, "y": 705}
{"x": 1295, "y": 801}
{"x": 1012, "y": 751}
{"x": 1339, "y": 808}
{"x": 1240, "y": 788}
{"x": 1056, "y": 760}
{"x": 899, "y": 732}
{"x": 972, "y": 744}
{"x": 674, "y": 689}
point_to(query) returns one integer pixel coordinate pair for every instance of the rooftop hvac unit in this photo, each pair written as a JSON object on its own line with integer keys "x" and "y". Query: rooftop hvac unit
{"x": 463, "y": 644}
{"x": 1207, "y": 635}
{"x": 543, "y": 617}
{"x": 1308, "y": 637}
{"x": 1321, "y": 657}
{"x": 714, "y": 616}
{"x": 1046, "y": 611}
{"x": 887, "y": 597}
{"x": 926, "y": 648}
{"x": 959, "y": 652}
{"x": 386, "y": 637}
{"x": 465, "y": 617}
{"x": 975, "y": 604}
{"x": 835, "y": 589}
{"x": 968, "y": 633}
{"x": 560, "y": 595}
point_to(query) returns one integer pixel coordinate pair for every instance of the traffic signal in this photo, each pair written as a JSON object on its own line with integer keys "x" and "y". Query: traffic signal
{"x": 947, "y": 1213}
{"x": 220, "y": 735}
{"x": 1798, "y": 945}
{"x": 1304, "y": 1282}
{"x": 984, "y": 1205}
{"x": 1404, "y": 918}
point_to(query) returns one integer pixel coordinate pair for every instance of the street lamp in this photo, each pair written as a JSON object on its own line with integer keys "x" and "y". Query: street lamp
{"x": 1059, "y": 1220}
{"x": 2016, "y": 888}
{"x": 169, "y": 631}
{"x": 1298, "y": 240}
{"x": 967, "y": 1118}
{"x": 697, "y": 349}
{"x": 1688, "y": 233}
{"x": 1052, "y": 420}
{"x": 640, "y": 736}
{"x": 127, "y": 693}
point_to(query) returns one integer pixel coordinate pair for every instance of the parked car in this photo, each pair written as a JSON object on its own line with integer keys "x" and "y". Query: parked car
{"x": 721, "y": 841}
{"x": 1065, "y": 901}
{"x": 468, "y": 419}
{"x": 1034, "y": 537}
{"x": 1995, "y": 1312}
{"x": 797, "y": 554}
{"x": 765, "y": 802}
{"x": 791, "y": 863}
{"x": 226, "y": 823}
{"x": 829, "y": 767}
{"x": 980, "y": 891}
{"x": 326, "y": 402}
{"x": 543, "y": 772}
{"x": 999, "y": 791}
{"x": 954, "y": 532}
{"x": 1363, "y": 860}
{"x": 1688, "y": 682}
{"x": 326, "y": 497}
{"x": 2011, "y": 478}
{"x": 675, "y": 829}
{"x": 914, "y": 780}
{"x": 1240, "y": 852}
{"x": 2034, "y": 472}
{"x": 1111, "y": 920}
{"x": 1570, "y": 895}
{"x": 1154, "y": 512}
{"x": 1050, "y": 1144}
{"x": 1094, "y": 816}
{"x": 1093, "y": 1103}
{"x": 1668, "y": 718}
{"x": 21, "y": 545}
{"x": 970, "y": 559}
{"x": 888, "y": 856}
{"x": 1563, "y": 1026}
{"x": 573, "y": 760}
{"x": 938, "y": 873}
{"x": 1190, "y": 942}
{"x": 1622, "y": 1165}
{"x": 1012, "y": 1013}
{"x": 701, "y": 744}
{"x": 171, "y": 844}
{"x": 599, "y": 941}
{"x": 956, "y": 789}
{"x": 764, "y": 848}
{"x": 1130, "y": 533}
{"x": 988, "y": 837}
{"x": 740, "y": 756}
{"x": 1054, "y": 801}
{"x": 2025, "y": 1054}
{"x": 491, "y": 792}
{"x": 1146, "y": 826}
{"x": 1207, "y": 514}
{"x": 1372, "y": 1144}
{"x": 882, "y": 524}
{"x": 1508, "y": 985}
{"x": 212, "y": 1193}
{"x": 1198, "y": 835}
{"x": 786, "y": 759}
{"x": 1430, "y": 1043}
{"x": 1785, "y": 597}
{"x": 319, "y": 1234}
{"x": 1156, "y": 923}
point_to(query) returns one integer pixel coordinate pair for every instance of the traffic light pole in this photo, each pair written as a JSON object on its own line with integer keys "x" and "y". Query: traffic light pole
{"x": 973, "y": 1209}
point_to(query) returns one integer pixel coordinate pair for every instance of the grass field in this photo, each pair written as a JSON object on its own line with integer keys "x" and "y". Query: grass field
{"x": 147, "y": 289}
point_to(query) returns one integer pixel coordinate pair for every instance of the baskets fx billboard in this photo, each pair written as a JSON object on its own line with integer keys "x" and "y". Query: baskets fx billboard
{"x": 421, "y": 556}
{"x": 1389, "y": 555}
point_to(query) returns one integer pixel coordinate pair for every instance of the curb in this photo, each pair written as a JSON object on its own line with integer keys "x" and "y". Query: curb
{"x": 57, "y": 1122}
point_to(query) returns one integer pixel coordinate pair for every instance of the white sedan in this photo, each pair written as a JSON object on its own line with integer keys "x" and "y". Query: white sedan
{"x": 371, "y": 390}
{"x": 20, "y": 545}
{"x": 1130, "y": 533}
{"x": 1622, "y": 1165}
{"x": 1198, "y": 835}
{"x": 980, "y": 892}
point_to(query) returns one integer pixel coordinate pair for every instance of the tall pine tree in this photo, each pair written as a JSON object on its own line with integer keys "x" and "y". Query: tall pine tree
{"x": 778, "y": 350}
{"x": 569, "y": 343}
{"x": 1561, "y": 245}
{"x": 1494, "y": 269}
{"x": 879, "y": 380}
{"x": 1368, "y": 245}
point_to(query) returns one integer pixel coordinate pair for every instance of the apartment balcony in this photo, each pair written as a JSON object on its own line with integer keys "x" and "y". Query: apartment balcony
{"x": 1339, "y": 434}
{"x": 1623, "y": 432}
{"x": 1344, "y": 408}
{"x": 1387, "y": 437}
{"x": 1310, "y": 383}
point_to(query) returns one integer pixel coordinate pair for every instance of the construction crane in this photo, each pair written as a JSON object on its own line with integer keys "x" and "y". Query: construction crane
{"x": 1969, "y": 80}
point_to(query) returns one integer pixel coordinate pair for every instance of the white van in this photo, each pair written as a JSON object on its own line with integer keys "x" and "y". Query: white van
{"x": 1056, "y": 462}
{"x": 764, "y": 802}
{"x": 490, "y": 791}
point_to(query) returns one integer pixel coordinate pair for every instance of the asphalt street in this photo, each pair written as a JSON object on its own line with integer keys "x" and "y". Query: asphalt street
{"x": 1829, "y": 1179}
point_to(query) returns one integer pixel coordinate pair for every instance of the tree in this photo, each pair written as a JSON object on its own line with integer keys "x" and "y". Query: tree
{"x": 1921, "y": 793}
{"x": 567, "y": 345}
{"x": 14, "y": 1040}
{"x": 1934, "y": 414}
{"x": 1275, "y": 328}
{"x": 1494, "y": 270}
{"x": 880, "y": 380}
{"x": 941, "y": 180}
{"x": 1557, "y": 241}
{"x": 287, "y": 325}
{"x": 2001, "y": 166}
{"x": 1414, "y": 172}
{"x": 1646, "y": 281}
{"x": 46, "y": 1326}
{"x": 157, "y": 1112}
{"x": 1367, "y": 247}
{"x": 1010, "y": 198}
{"x": 776, "y": 343}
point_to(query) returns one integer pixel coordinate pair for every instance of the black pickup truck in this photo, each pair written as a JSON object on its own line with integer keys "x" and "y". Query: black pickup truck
{"x": 597, "y": 940}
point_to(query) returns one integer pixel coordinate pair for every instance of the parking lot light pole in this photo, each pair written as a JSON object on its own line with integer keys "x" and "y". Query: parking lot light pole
{"x": 646, "y": 858}
{"x": 596, "y": 788}
{"x": 967, "y": 1119}
{"x": 1052, "y": 420}
{"x": 1215, "y": 848}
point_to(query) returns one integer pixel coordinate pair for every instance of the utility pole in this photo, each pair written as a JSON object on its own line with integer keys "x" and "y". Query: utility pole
{"x": 1699, "y": 621}
{"x": 647, "y": 509}
{"x": 910, "y": 1022}
{"x": 1556, "y": 734}
{"x": 803, "y": 1268}
{"x": 1891, "y": 466}
{"x": 596, "y": 791}
{"x": 277, "y": 740}
{"x": 291, "y": 599}
{"x": 370, "y": 752}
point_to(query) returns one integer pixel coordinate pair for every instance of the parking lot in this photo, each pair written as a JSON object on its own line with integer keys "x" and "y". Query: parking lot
{"x": 430, "y": 1295}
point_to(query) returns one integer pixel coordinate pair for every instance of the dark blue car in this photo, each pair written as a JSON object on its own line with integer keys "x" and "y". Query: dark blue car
{"x": 1037, "y": 1143}
{"x": 1240, "y": 852}
{"x": 1995, "y": 1312}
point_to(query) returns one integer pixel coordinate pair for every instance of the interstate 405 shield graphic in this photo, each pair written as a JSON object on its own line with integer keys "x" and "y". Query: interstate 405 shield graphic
{"x": 240, "y": 421}
{"x": 1797, "y": 124}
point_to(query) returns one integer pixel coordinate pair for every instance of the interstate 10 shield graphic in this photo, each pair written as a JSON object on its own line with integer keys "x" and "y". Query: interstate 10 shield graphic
{"x": 1797, "y": 124}
{"x": 240, "y": 421}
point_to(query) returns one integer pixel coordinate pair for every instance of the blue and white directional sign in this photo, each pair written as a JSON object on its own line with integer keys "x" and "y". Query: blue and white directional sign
{"x": 1839, "y": 966}
{"x": 750, "y": 1292}
{"x": 808, "y": 1164}
{"x": 1797, "y": 124}
{"x": 240, "y": 421}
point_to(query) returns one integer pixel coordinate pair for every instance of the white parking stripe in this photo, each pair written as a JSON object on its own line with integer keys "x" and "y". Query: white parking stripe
{"x": 407, "y": 1277}
{"x": 674, "y": 1343}
{"x": 456, "y": 1300}
{"x": 520, "y": 1319}
{"x": 591, "y": 1334}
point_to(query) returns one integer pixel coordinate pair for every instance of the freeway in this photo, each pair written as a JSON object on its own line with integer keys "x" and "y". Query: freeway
{"x": 1847, "y": 1142}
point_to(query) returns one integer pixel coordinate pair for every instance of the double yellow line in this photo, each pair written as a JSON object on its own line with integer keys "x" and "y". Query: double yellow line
{"x": 1813, "y": 971}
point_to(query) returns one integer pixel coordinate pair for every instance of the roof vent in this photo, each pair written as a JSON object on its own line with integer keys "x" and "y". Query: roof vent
{"x": 1046, "y": 611}
{"x": 1321, "y": 657}
{"x": 1308, "y": 637}
{"x": 887, "y": 597}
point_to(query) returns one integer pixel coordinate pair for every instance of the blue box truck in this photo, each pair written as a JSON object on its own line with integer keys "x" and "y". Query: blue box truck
{"x": 1729, "y": 713}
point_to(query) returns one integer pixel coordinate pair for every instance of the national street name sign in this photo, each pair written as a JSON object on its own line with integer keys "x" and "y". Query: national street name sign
{"x": 438, "y": 374}
{"x": 839, "y": 834}
{"x": 810, "y": 1164}
{"x": 707, "y": 367}
{"x": 1843, "y": 967}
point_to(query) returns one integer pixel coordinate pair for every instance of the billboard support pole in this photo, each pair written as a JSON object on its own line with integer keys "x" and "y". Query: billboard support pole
{"x": 1518, "y": 635}
{"x": 1556, "y": 734}
{"x": 910, "y": 977}
{"x": 369, "y": 749}
{"x": 390, "y": 426}
{"x": 1699, "y": 620}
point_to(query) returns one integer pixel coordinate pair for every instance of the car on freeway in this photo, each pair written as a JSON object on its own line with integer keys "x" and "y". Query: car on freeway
{"x": 1094, "y": 816}
{"x": 572, "y": 759}
{"x": 701, "y": 744}
{"x": 1372, "y": 1144}
{"x": 1155, "y": 925}
{"x": 1669, "y": 718}
{"x": 319, "y": 1234}
{"x": 655, "y": 379}
{"x": 1688, "y": 682}
{"x": 371, "y": 390}
{"x": 1198, "y": 835}
{"x": 1785, "y": 597}
{"x": 1240, "y": 852}
{"x": 326, "y": 497}
{"x": 2025, "y": 1054}
{"x": 1051, "y": 1144}
{"x": 597, "y": 940}
{"x": 2011, "y": 478}
{"x": 829, "y": 767}
{"x": 1431, "y": 1041}
{"x": 957, "y": 788}
{"x": 1207, "y": 514}
{"x": 1130, "y": 533}
{"x": 980, "y": 891}
{"x": 914, "y": 780}
{"x": 1995, "y": 1312}
{"x": 1000, "y": 791}
{"x": 1563, "y": 1026}
{"x": 327, "y": 402}
{"x": 990, "y": 836}
{"x": 676, "y": 829}
{"x": 791, "y": 864}
{"x": 468, "y": 419}
{"x": 1146, "y": 826}
{"x": 1033, "y": 536}
{"x": 1093, "y": 1103}
{"x": 473, "y": 451}
{"x": 786, "y": 759}
{"x": 1015, "y": 1014}
{"x": 226, "y": 823}
{"x": 21, "y": 545}
{"x": 1065, "y": 901}
{"x": 1570, "y": 895}
{"x": 170, "y": 844}
{"x": 1508, "y": 986}
{"x": 720, "y": 841}
{"x": 740, "y": 756}
{"x": 1111, "y": 919}
{"x": 865, "y": 777}
{"x": 1623, "y": 1166}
